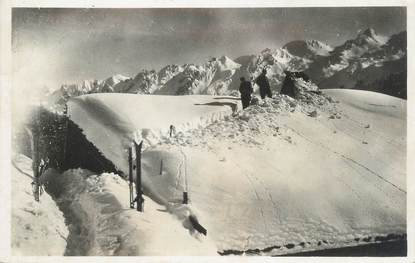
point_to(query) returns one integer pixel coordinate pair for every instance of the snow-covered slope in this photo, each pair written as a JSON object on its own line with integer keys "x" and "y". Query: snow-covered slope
{"x": 38, "y": 229}
{"x": 354, "y": 166}
{"x": 279, "y": 177}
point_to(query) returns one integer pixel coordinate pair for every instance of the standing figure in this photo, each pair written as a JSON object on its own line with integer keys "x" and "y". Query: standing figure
{"x": 246, "y": 90}
{"x": 263, "y": 83}
{"x": 172, "y": 130}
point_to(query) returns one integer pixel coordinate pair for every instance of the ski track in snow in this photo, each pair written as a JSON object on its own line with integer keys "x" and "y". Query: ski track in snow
{"x": 348, "y": 158}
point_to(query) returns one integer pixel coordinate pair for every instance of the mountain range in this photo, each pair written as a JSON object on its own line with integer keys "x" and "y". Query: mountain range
{"x": 370, "y": 61}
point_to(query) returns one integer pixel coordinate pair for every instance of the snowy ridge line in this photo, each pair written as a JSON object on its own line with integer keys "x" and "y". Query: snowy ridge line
{"x": 357, "y": 241}
{"x": 348, "y": 158}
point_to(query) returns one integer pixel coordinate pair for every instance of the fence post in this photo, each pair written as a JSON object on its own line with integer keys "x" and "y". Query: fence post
{"x": 186, "y": 185}
{"x": 139, "y": 197}
{"x": 185, "y": 198}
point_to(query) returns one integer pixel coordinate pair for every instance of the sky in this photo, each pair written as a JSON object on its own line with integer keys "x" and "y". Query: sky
{"x": 61, "y": 45}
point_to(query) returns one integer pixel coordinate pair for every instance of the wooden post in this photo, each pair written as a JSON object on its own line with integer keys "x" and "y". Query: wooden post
{"x": 185, "y": 198}
{"x": 139, "y": 197}
{"x": 186, "y": 186}
{"x": 161, "y": 166}
{"x": 130, "y": 176}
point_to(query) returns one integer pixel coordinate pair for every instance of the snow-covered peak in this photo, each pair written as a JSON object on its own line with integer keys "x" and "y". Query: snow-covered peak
{"x": 120, "y": 77}
{"x": 279, "y": 52}
{"x": 168, "y": 72}
{"x": 83, "y": 87}
{"x": 367, "y": 40}
{"x": 272, "y": 56}
{"x": 114, "y": 80}
{"x": 369, "y": 32}
{"x": 366, "y": 43}
{"x": 308, "y": 48}
{"x": 369, "y": 35}
{"x": 225, "y": 63}
{"x": 318, "y": 47}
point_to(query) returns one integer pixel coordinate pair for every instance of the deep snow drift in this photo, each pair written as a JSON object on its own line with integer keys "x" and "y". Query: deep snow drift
{"x": 113, "y": 121}
{"x": 38, "y": 229}
{"x": 279, "y": 177}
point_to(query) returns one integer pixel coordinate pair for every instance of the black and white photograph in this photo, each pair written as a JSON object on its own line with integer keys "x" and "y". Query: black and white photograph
{"x": 237, "y": 131}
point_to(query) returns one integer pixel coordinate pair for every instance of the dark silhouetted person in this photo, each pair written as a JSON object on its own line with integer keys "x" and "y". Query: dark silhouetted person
{"x": 263, "y": 83}
{"x": 246, "y": 90}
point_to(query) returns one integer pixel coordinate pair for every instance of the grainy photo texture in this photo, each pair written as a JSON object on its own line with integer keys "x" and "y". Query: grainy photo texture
{"x": 220, "y": 131}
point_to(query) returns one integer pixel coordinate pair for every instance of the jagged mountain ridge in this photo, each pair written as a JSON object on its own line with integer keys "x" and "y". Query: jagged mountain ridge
{"x": 369, "y": 61}
{"x": 373, "y": 70}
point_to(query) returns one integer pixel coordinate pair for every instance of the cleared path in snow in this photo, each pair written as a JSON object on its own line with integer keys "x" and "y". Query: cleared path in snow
{"x": 101, "y": 222}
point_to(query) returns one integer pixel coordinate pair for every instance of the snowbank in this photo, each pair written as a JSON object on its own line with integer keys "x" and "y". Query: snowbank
{"x": 38, "y": 228}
